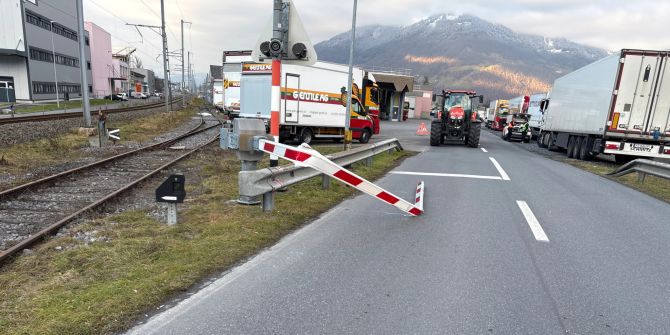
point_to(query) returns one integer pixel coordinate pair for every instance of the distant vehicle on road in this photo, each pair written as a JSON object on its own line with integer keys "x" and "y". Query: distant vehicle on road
{"x": 619, "y": 105}
{"x": 517, "y": 128}
{"x": 535, "y": 114}
{"x": 457, "y": 119}
{"x": 497, "y": 114}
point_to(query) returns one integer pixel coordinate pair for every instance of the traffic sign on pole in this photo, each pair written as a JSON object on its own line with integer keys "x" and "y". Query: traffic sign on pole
{"x": 114, "y": 133}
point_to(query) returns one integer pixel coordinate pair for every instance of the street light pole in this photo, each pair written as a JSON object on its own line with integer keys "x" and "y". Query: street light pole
{"x": 347, "y": 130}
{"x": 53, "y": 52}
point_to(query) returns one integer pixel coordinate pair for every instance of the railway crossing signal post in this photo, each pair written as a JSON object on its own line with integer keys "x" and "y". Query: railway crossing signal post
{"x": 172, "y": 192}
{"x": 285, "y": 41}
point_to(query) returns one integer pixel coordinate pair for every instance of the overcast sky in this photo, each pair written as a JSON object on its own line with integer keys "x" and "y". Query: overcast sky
{"x": 235, "y": 25}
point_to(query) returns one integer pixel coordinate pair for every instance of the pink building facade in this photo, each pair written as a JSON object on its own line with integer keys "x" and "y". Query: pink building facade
{"x": 102, "y": 68}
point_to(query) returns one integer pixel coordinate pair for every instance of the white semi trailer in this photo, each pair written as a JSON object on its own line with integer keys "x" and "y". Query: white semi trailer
{"x": 619, "y": 105}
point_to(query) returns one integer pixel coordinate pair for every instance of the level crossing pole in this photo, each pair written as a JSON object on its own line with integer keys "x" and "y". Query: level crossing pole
{"x": 347, "y": 121}
{"x": 277, "y": 33}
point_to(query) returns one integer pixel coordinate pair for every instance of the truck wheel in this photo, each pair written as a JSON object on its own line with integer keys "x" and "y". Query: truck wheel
{"x": 551, "y": 143}
{"x": 473, "y": 135}
{"x": 306, "y": 135}
{"x": 571, "y": 146}
{"x": 435, "y": 133}
{"x": 585, "y": 149}
{"x": 577, "y": 148}
{"x": 365, "y": 136}
{"x": 542, "y": 140}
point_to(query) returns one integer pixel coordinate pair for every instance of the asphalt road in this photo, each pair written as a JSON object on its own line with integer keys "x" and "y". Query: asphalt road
{"x": 592, "y": 258}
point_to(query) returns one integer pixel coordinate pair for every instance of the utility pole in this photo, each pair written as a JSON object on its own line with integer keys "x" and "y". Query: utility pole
{"x": 166, "y": 84}
{"x": 188, "y": 69}
{"x": 53, "y": 54}
{"x": 347, "y": 131}
{"x": 83, "y": 65}
{"x": 183, "y": 101}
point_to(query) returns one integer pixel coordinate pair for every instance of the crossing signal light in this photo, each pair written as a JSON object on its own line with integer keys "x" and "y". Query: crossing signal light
{"x": 299, "y": 50}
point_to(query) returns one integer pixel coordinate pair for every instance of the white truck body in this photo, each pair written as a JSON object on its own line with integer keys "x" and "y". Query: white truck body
{"x": 232, "y": 75}
{"x": 534, "y": 112}
{"x": 310, "y": 94}
{"x": 217, "y": 94}
{"x": 623, "y": 101}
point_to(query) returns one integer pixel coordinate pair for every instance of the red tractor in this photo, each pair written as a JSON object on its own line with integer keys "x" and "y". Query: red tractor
{"x": 457, "y": 119}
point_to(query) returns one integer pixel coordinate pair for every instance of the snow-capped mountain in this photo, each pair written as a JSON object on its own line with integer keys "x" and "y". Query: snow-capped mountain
{"x": 464, "y": 51}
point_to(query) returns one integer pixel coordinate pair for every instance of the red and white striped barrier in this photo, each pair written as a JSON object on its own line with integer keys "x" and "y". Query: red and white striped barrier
{"x": 418, "y": 202}
{"x": 304, "y": 155}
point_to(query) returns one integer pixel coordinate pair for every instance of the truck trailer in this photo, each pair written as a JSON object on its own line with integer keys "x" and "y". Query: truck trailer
{"x": 313, "y": 100}
{"x": 619, "y": 105}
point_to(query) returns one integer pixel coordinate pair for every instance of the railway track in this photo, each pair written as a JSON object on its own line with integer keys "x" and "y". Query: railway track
{"x": 31, "y": 211}
{"x": 71, "y": 115}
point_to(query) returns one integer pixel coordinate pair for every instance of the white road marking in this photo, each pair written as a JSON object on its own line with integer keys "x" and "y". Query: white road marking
{"x": 484, "y": 150}
{"x": 532, "y": 222}
{"x": 454, "y": 175}
{"x": 499, "y": 168}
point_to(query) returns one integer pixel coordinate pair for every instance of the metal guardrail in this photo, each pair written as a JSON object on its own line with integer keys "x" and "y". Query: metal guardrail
{"x": 268, "y": 180}
{"x": 643, "y": 167}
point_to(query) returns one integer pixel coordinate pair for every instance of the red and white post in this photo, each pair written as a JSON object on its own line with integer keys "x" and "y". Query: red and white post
{"x": 275, "y": 106}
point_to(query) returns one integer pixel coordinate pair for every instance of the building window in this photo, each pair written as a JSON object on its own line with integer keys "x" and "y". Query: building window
{"x": 87, "y": 41}
{"x": 45, "y": 23}
{"x": 47, "y": 56}
{"x": 88, "y": 65}
{"x": 50, "y": 88}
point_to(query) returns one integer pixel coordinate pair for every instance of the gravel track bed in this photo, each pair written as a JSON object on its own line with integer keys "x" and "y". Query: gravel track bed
{"x": 94, "y": 154}
{"x": 16, "y": 133}
{"x": 34, "y": 209}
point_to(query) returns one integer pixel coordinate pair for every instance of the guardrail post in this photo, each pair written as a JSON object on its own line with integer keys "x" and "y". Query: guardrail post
{"x": 368, "y": 161}
{"x": 641, "y": 176}
{"x": 325, "y": 181}
{"x": 268, "y": 201}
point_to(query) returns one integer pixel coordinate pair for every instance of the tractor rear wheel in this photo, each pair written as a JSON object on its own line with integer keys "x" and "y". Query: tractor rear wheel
{"x": 435, "y": 133}
{"x": 473, "y": 135}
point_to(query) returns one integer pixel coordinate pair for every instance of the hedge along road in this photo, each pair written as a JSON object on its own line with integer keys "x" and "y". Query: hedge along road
{"x": 552, "y": 250}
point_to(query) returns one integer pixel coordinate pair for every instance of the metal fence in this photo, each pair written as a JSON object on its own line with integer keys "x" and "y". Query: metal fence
{"x": 643, "y": 167}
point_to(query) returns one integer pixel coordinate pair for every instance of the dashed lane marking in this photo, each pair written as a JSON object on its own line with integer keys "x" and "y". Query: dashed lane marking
{"x": 534, "y": 225}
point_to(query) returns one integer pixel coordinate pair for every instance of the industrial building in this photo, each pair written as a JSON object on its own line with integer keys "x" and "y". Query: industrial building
{"x": 39, "y": 52}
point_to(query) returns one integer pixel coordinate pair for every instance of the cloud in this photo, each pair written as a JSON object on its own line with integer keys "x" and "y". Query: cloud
{"x": 233, "y": 25}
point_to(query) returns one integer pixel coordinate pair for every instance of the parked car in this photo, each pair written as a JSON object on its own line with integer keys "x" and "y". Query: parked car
{"x": 158, "y": 94}
{"x": 138, "y": 95}
{"x": 116, "y": 97}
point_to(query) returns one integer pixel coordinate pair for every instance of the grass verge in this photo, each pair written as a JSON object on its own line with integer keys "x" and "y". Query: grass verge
{"x": 26, "y": 157}
{"x": 654, "y": 186}
{"x": 67, "y": 286}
